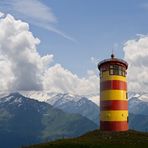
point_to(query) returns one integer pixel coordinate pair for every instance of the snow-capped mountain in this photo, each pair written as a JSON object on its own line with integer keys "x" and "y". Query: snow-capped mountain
{"x": 17, "y": 101}
{"x": 26, "y": 121}
{"x": 38, "y": 95}
{"x": 138, "y": 111}
{"x": 138, "y": 103}
{"x": 46, "y": 95}
{"x": 67, "y": 102}
{"x": 76, "y": 104}
{"x": 138, "y": 106}
{"x": 143, "y": 96}
{"x": 60, "y": 99}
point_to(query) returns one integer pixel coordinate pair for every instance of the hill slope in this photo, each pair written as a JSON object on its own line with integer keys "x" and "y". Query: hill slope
{"x": 99, "y": 139}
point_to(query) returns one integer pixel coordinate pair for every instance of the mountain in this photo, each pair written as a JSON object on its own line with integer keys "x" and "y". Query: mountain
{"x": 69, "y": 103}
{"x": 138, "y": 104}
{"x": 97, "y": 139}
{"x": 138, "y": 108}
{"x": 138, "y": 122}
{"x": 138, "y": 111}
{"x": 26, "y": 121}
{"x": 46, "y": 95}
{"x": 38, "y": 95}
{"x": 76, "y": 104}
{"x": 62, "y": 115}
{"x": 84, "y": 106}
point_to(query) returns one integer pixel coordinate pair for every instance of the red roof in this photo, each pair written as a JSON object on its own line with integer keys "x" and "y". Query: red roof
{"x": 113, "y": 61}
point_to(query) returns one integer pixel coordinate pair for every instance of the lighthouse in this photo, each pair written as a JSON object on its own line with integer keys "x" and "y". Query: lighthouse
{"x": 113, "y": 94}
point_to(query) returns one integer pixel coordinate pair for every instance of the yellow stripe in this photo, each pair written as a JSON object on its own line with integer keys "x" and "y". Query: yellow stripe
{"x": 113, "y": 95}
{"x": 114, "y": 115}
{"x": 106, "y": 76}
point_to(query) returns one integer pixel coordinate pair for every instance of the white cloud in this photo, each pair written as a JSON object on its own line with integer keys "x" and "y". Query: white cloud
{"x": 22, "y": 68}
{"x": 90, "y": 72}
{"x": 53, "y": 29}
{"x": 58, "y": 79}
{"x": 136, "y": 54}
{"x": 6, "y": 75}
{"x": 36, "y": 12}
{"x": 34, "y": 9}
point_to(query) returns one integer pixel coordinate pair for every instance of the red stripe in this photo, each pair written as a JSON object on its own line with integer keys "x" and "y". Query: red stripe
{"x": 114, "y": 105}
{"x": 113, "y": 84}
{"x": 114, "y": 125}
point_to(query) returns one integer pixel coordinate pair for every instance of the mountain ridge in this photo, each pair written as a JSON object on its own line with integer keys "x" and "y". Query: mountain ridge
{"x": 23, "y": 118}
{"x": 25, "y": 121}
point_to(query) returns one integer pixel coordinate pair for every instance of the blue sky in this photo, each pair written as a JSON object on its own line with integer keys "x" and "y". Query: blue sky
{"x": 98, "y": 26}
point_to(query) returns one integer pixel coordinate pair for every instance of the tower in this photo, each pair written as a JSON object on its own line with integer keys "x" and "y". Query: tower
{"x": 113, "y": 95}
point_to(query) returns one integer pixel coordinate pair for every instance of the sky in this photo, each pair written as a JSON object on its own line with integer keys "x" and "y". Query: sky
{"x": 55, "y": 45}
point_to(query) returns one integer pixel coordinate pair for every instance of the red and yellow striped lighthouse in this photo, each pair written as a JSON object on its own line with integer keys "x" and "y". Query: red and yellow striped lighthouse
{"x": 113, "y": 95}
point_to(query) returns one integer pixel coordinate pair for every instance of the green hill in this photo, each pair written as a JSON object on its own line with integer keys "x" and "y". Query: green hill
{"x": 100, "y": 139}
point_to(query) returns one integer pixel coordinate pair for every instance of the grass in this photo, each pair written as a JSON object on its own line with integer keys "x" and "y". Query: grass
{"x": 100, "y": 139}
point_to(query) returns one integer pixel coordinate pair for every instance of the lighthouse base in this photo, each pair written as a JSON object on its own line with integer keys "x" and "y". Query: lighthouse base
{"x": 113, "y": 125}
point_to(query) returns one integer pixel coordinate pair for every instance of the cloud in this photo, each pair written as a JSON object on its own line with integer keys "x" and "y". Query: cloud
{"x": 6, "y": 75}
{"x": 22, "y": 68}
{"x": 34, "y": 9}
{"x": 53, "y": 29}
{"x": 59, "y": 79}
{"x": 136, "y": 54}
{"x": 35, "y": 12}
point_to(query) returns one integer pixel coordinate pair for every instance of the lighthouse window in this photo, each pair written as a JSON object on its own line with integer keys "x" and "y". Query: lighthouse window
{"x": 116, "y": 67}
{"x": 111, "y": 66}
{"x": 111, "y": 72}
{"x": 117, "y": 70}
{"x": 120, "y": 73}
